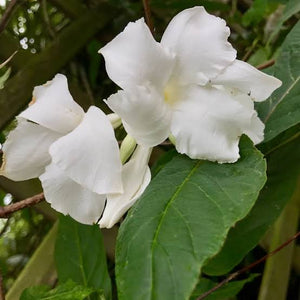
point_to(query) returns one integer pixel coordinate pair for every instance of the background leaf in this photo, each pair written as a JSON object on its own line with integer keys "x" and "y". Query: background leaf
{"x": 66, "y": 291}
{"x": 229, "y": 290}
{"x": 283, "y": 170}
{"x": 291, "y": 8}
{"x": 259, "y": 10}
{"x": 181, "y": 220}
{"x": 282, "y": 111}
{"x": 80, "y": 255}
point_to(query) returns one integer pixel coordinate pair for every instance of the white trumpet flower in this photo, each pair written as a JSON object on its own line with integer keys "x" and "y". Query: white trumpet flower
{"x": 75, "y": 154}
{"x": 189, "y": 86}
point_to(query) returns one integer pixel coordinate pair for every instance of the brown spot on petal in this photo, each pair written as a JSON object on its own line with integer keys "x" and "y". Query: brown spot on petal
{"x": 33, "y": 100}
{"x": 47, "y": 83}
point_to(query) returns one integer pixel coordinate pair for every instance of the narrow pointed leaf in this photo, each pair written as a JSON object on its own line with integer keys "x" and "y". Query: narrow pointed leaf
{"x": 282, "y": 111}
{"x": 80, "y": 255}
{"x": 182, "y": 220}
{"x": 227, "y": 291}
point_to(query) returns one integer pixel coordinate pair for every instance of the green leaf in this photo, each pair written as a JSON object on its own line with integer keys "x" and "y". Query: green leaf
{"x": 4, "y": 77}
{"x": 259, "y": 10}
{"x": 292, "y": 8}
{"x": 280, "y": 140}
{"x": 181, "y": 220}
{"x": 282, "y": 111}
{"x": 162, "y": 161}
{"x": 66, "y": 291}
{"x": 227, "y": 291}
{"x": 80, "y": 255}
{"x": 283, "y": 170}
{"x": 7, "y": 60}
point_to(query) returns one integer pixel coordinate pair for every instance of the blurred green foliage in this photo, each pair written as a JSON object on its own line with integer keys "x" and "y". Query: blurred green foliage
{"x": 20, "y": 236}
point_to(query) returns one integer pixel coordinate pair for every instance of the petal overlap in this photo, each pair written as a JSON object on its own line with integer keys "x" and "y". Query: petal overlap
{"x": 145, "y": 115}
{"x": 136, "y": 177}
{"x": 89, "y": 154}
{"x": 199, "y": 41}
{"x": 69, "y": 197}
{"x": 211, "y": 129}
{"x": 247, "y": 79}
{"x": 25, "y": 152}
{"x": 133, "y": 57}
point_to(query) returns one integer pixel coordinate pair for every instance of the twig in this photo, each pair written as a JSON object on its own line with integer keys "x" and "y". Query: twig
{"x": 148, "y": 15}
{"x": 266, "y": 64}
{"x": 2, "y": 294}
{"x": 249, "y": 52}
{"x": 46, "y": 19}
{"x": 86, "y": 85}
{"x": 7, "y": 14}
{"x": 5, "y": 211}
{"x": 245, "y": 269}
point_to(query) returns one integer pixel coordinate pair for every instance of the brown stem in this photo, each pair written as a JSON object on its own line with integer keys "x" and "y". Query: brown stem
{"x": 7, "y": 14}
{"x": 148, "y": 15}
{"x": 166, "y": 143}
{"x": 5, "y": 211}
{"x": 245, "y": 269}
{"x": 266, "y": 64}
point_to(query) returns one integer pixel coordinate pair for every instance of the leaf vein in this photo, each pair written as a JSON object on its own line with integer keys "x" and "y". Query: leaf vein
{"x": 280, "y": 99}
{"x": 154, "y": 241}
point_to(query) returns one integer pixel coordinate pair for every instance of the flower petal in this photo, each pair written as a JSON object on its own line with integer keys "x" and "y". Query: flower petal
{"x": 136, "y": 177}
{"x": 145, "y": 115}
{"x": 208, "y": 123}
{"x": 254, "y": 129}
{"x": 134, "y": 57}
{"x": 25, "y": 152}
{"x": 244, "y": 77}
{"x": 200, "y": 42}
{"x": 89, "y": 155}
{"x": 53, "y": 106}
{"x": 68, "y": 197}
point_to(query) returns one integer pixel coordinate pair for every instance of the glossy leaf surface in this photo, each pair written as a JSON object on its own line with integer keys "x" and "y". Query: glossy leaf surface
{"x": 182, "y": 220}
{"x": 80, "y": 255}
{"x": 283, "y": 170}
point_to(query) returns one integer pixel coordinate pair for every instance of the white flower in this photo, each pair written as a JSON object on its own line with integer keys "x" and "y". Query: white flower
{"x": 75, "y": 154}
{"x": 136, "y": 176}
{"x": 190, "y": 86}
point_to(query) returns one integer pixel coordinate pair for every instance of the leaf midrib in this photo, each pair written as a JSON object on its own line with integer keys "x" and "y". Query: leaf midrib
{"x": 154, "y": 241}
{"x": 80, "y": 259}
{"x": 280, "y": 99}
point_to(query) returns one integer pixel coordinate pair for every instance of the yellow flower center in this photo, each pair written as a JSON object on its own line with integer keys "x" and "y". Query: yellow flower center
{"x": 171, "y": 94}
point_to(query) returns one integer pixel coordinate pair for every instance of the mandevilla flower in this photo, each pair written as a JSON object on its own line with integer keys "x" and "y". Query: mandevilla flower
{"x": 75, "y": 155}
{"x": 189, "y": 86}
